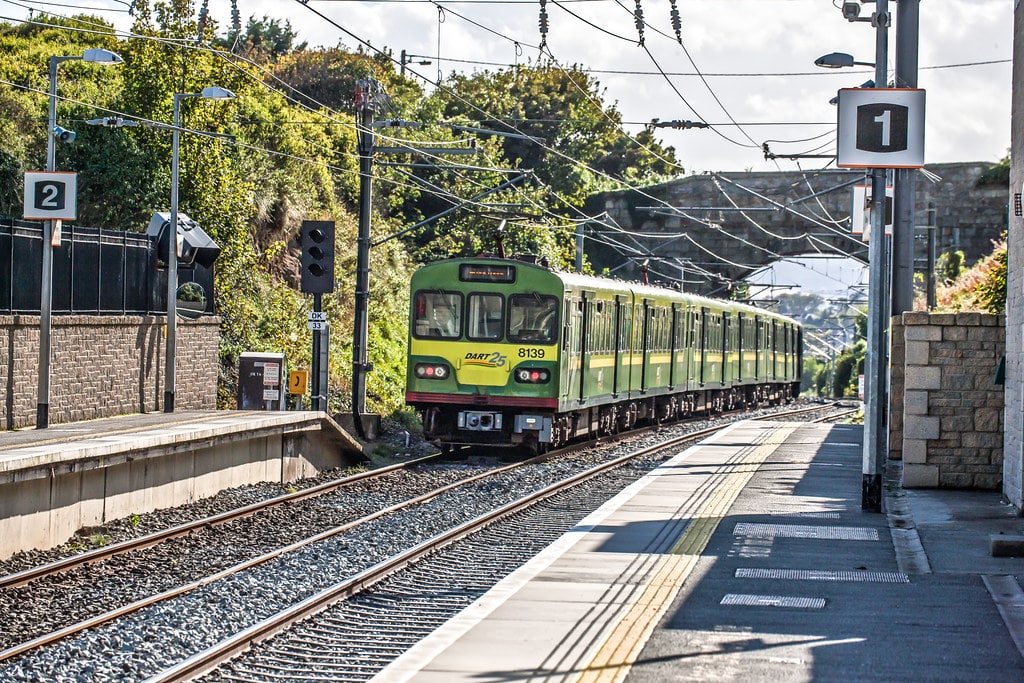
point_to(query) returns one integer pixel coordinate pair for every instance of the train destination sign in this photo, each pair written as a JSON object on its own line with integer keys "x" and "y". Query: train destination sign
{"x": 881, "y": 128}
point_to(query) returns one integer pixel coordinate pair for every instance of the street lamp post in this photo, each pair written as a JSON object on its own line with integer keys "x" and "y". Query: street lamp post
{"x": 95, "y": 56}
{"x": 212, "y": 92}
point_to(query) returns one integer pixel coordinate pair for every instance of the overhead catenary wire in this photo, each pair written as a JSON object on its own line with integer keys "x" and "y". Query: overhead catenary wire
{"x": 346, "y": 169}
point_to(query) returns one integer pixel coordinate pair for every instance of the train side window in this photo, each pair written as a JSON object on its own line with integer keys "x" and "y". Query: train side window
{"x": 437, "y": 315}
{"x": 485, "y": 319}
{"x": 532, "y": 318}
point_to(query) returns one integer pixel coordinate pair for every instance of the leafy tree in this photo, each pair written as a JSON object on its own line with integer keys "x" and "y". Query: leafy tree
{"x": 979, "y": 288}
{"x": 949, "y": 266}
{"x": 997, "y": 174}
{"x": 848, "y": 367}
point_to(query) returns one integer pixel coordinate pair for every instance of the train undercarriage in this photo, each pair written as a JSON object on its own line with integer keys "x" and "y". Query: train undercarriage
{"x": 539, "y": 430}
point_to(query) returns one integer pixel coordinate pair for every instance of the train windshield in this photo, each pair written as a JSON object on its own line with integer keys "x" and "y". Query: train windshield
{"x": 532, "y": 318}
{"x": 438, "y": 315}
{"x": 485, "y": 319}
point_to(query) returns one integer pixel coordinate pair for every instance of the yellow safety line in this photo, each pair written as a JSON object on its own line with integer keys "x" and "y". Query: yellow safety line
{"x": 621, "y": 646}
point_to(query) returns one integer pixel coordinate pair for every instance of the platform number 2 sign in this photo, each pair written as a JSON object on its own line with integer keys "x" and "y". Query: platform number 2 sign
{"x": 50, "y": 196}
{"x": 881, "y": 128}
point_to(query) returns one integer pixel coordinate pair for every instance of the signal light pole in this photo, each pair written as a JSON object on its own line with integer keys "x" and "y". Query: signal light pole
{"x": 318, "y": 279}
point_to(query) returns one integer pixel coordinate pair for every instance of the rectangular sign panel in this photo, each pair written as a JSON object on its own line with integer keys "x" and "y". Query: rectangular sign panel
{"x": 50, "y": 196}
{"x": 881, "y": 128}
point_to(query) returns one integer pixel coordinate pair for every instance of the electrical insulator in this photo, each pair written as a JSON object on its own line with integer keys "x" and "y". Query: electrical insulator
{"x": 677, "y": 22}
{"x": 638, "y": 19}
{"x": 543, "y": 23}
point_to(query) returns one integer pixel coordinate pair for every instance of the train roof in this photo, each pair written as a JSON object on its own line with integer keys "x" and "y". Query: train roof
{"x": 581, "y": 280}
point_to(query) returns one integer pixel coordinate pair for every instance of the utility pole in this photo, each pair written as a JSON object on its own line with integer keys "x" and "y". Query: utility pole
{"x": 876, "y": 441}
{"x": 366, "y": 102}
{"x": 905, "y": 183}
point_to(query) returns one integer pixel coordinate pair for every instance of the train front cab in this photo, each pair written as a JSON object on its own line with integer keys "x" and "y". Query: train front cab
{"x": 483, "y": 352}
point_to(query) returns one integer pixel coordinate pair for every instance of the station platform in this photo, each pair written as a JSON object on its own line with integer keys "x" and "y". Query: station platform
{"x": 67, "y": 477}
{"x": 748, "y": 557}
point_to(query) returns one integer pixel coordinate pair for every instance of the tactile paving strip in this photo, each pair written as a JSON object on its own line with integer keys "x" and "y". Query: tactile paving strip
{"x": 747, "y": 600}
{"x": 822, "y": 575}
{"x": 830, "y": 533}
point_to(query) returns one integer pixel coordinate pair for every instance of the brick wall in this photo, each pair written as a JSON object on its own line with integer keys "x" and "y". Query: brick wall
{"x": 952, "y": 428}
{"x": 104, "y": 366}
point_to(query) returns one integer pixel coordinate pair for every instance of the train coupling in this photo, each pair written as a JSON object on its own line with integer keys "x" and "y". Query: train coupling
{"x": 479, "y": 421}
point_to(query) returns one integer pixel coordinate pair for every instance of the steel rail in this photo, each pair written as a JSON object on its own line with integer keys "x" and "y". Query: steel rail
{"x": 124, "y": 610}
{"x": 149, "y": 540}
{"x": 180, "y": 530}
{"x": 209, "y": 659}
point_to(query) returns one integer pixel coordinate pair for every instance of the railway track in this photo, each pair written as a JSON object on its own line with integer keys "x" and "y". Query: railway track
{"x": 361, "y": 576}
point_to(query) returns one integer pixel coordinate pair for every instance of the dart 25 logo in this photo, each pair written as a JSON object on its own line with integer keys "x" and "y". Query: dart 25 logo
{"x": 486, "y": 360}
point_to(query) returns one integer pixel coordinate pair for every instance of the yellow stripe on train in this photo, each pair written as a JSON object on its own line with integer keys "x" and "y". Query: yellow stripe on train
{"x": 481, "y": 363}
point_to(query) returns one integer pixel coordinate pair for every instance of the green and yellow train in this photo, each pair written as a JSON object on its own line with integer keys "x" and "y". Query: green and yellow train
{"x": 507, "y": 352}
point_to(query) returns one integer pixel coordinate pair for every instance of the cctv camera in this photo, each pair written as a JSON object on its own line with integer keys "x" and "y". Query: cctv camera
{"x": 64, "y": 135}
{"x": 851, "y": 10}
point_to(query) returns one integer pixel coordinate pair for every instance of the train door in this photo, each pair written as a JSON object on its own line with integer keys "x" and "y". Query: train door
{"x": 703, "y": 345}
{"x": 692, "y": 353}
{"x": 623, "y": 320}
{"x": 586, "y": 306}
{"x": 646, "y": 339}
{"x": 741, "y": 347}
{"x": 572, "y": 345}
{"x": 728, "y": 348}
{"x": 757, "y": 347}
{"x": 675, "y": 357}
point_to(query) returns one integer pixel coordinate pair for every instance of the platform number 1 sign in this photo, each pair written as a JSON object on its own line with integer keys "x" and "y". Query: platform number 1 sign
{"x": 50, "y": 196}
{"x": 881, "y": 128}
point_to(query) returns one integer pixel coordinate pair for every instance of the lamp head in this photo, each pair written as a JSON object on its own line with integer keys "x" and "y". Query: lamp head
{"x": 215, "y": 92}
{"x": 834, "y": 60}
{"x": 98, "y": 55}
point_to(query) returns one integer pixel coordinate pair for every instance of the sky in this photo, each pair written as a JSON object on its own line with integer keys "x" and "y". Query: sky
{"x": 755, "y": 59}
{"x": 756, "y": 56}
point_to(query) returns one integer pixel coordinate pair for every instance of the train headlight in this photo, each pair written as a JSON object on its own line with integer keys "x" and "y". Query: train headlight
{"x": 432, "y": 370}
{"x": 533, "y": 375}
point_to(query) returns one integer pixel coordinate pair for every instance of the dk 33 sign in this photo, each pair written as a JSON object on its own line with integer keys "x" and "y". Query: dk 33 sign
{"x": 50, "y": 195}
{"x": 881, "y": 128}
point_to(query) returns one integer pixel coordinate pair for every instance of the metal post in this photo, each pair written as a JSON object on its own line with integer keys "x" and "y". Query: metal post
{"x": 172, "y": 264}
{"x": 904, "y": 186}
{"x": 365, "y": 96}
{"x": 931, "y": 257}
{"x": 315, "y": 389}
{"x": 579, "y": 248}
{"x": 46, "y": 285}
{"x": 876, "y": 370}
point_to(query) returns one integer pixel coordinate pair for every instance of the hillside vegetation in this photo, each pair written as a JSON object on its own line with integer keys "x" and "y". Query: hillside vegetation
{"x": 284, "y": 150}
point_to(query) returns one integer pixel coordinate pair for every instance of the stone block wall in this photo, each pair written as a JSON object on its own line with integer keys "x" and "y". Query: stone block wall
{"x": 952, "y": 426}
{"x": 104, "y": 366}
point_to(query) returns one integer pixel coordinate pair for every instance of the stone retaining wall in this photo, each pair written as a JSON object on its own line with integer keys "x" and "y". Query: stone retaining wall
{"x": 104, "y": 366}
{"x": 952, "y": 423}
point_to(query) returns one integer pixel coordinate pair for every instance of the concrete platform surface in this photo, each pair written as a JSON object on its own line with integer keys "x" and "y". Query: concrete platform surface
{"x": 748, "y": 557}
{"x": 25, "y": 453}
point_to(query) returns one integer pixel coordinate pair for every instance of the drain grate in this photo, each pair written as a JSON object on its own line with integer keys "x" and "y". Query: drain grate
{"x": 818, "y": 515}
{"x": 829, "y": 533}
{"x": 822, "y": 575}
{"x": 748, "y": 600}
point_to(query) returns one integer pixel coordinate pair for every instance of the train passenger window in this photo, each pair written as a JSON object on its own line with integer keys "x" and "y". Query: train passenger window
{"x": 532, "y": 318}
{"x": 484, "y": 316}
{"x": 437, "y": 315}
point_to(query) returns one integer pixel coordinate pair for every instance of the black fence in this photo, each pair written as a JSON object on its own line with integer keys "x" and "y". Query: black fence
{"x": 97, "y": 271}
